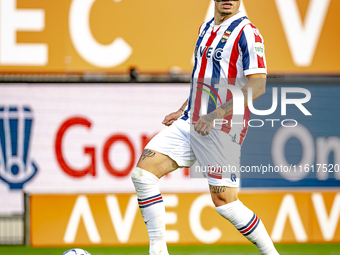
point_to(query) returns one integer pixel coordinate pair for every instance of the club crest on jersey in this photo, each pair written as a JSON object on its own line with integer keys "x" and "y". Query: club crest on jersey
{"x": 225, "y": 36}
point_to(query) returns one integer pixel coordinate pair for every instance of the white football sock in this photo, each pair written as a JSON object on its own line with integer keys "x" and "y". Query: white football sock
{"x": 247, "y": 222}
{"x": 152, "y": 208}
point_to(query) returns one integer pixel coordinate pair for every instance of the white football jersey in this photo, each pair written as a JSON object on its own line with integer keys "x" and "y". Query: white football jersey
{"x": 224, "y": 54}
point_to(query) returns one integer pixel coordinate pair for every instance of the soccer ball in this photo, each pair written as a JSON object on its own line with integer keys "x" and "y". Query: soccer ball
{"x": 76, "y": 252}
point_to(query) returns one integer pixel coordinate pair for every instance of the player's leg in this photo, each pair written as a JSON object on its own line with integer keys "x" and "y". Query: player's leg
{"x": 152, "y": 166}
{"x": 222, "y": 154}
{"x": 165, "y": 152}
{"x": 243, "y": 219}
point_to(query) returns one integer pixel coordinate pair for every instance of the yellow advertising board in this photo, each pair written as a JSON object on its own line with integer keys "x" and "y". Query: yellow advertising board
{"x": 114, "y": 219}
{"x": 71, "y": 36}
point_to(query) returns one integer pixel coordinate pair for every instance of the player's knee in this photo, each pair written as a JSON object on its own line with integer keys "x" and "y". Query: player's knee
{"x": 219, "y": 201}
{"x": 223, "y": 195}
{"x": 143, "y": 180}
{"x": 136, "y": 176}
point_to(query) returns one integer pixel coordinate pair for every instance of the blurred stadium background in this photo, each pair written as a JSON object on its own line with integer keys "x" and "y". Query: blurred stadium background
{"x": 85, "y": 85}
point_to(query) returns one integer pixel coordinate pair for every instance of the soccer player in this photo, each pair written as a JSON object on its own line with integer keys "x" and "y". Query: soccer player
{"x": 229, "y": 51}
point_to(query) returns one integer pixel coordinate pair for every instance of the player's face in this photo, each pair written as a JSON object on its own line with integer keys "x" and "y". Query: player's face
{"x": 227, "y": 8}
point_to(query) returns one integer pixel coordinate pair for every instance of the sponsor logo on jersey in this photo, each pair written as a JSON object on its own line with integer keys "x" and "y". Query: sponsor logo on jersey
{"x": 16, "y": 165}
{"x": 259, "y": 49}
{"x": 209, "y": 52}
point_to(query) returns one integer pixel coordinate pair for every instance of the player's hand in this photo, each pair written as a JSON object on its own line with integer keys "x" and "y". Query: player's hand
{"x": 205, "y": 123}
{"x": 170, "y": 118}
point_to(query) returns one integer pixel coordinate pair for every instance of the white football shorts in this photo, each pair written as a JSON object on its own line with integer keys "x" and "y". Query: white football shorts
{"x": 217, "y": 155}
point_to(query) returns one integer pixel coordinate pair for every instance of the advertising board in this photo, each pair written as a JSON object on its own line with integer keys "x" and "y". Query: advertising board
{"x": 101, "y": 36}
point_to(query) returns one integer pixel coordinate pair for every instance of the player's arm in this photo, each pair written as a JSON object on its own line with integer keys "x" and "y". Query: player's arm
{"x": 170, "y": 118}
{"x": 255, "y": 81}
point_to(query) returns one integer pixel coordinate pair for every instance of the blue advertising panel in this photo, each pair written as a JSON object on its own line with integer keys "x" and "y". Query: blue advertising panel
{"x": 293, "y": 148}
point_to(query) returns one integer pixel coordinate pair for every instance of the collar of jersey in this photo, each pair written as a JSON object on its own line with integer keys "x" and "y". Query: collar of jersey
{"x": 230, "y": 20}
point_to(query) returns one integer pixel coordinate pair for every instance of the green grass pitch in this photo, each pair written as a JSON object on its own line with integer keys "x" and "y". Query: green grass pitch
{"x": 288, "y": 249}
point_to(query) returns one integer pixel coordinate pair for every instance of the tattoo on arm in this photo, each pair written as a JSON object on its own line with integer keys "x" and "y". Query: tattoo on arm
{"x": 217, "y": 189}
{"x": 148, "y": 154}
{"x": 227, "y": 108}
